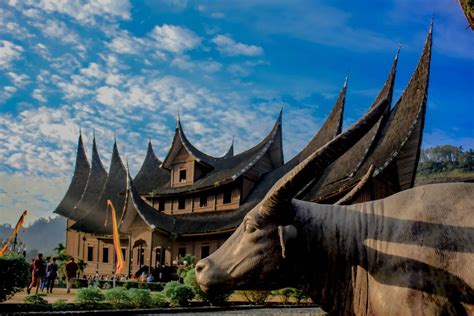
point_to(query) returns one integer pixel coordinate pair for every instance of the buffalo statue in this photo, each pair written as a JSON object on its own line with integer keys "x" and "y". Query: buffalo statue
{"x": 409, "y": 254}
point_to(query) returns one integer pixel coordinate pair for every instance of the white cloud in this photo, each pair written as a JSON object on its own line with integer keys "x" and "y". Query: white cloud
{"x": 17, "y": 190}
{"x": 124, "y": 43}
{"x": 185, "y": 63}
{"x": 18, "y": 79}
{"x": 58, "y": 30}
{"x": 227, "y": 46}
{"x": 38, "y": 95}
{"x": 174, "y": 39}
{"x": 109, "y": 96}
{"x": 85, "y": 12}
{"x": 8, "y": 53}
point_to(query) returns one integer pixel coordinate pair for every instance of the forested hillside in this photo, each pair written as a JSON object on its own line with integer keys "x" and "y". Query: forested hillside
{"x": 41, "y": 236}
{"x": 445, "y": 164}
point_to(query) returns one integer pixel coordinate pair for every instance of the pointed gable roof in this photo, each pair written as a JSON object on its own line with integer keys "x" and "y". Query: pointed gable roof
{"x": 398, "y": 139}
{"x": 98, "y": 221}
{"x": 228, "y": 169}
{"x": 95, "y": 183}
{"x": 151, "y": 175}
{"x": 181, "y": 141}
{"x": 77, "y": 185}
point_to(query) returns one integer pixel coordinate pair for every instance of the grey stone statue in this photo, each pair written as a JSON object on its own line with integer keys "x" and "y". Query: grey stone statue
{"x": 409, "y": 254}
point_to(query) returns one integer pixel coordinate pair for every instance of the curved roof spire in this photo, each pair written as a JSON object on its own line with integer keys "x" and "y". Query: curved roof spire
{"x": 96, "y": 221}
{"x": 151, "y": 175}
{"x": 350, "y": 162}
{"x": 396, "y": 144}
{"x": 330, "y": 129}
{"x": 230, "y": 151}
{"x": 95, "y": 183}
{"x": 78, "y": 183}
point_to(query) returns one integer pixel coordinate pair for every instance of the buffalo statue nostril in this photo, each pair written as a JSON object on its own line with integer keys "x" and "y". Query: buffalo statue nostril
{"x": 201, "y": 266}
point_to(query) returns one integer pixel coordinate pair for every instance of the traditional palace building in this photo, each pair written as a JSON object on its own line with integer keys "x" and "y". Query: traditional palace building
{"x": 190, "y": 202}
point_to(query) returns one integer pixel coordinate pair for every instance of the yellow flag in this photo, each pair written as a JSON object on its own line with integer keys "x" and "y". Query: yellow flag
{"x": 120, "y": 264}
{"x": 14, "y": 232}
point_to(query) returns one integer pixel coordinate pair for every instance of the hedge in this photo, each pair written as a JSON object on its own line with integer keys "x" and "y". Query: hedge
{"x": 14, "y": 275}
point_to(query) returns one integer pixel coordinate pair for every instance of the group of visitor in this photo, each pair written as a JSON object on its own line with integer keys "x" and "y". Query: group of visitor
{"x": 44, "y": 274}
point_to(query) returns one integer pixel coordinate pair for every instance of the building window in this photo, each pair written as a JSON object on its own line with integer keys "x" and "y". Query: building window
{"x": 204, "y": 251}
{"x": 90, "y": 253}
{"x": 141, "y": 256}
{"x": 227, "y": 196}
{"x": 157, "y": 256}
{"x": 124, "y": 251}
{"x": 182, "y": 175}
{"x": 161, "y": 205}
{"x": 105, "y": 255}
{"x": 181, "y": 203}
{"x": 203, "y": 201}
{"x": 181, "y": 252}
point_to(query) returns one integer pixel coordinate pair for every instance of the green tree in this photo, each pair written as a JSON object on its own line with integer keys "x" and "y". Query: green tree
{"x": 81, "y": 265}
{"x": 14, "y": 275}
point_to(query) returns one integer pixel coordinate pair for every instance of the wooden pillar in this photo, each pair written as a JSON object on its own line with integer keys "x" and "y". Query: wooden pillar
{"x": 98, "y": 253}
{"x": 129, "y": 255}
{"x": 151, "y": 252}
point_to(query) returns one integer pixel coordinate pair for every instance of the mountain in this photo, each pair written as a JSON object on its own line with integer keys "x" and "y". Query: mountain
{"x": 43, "y": 235}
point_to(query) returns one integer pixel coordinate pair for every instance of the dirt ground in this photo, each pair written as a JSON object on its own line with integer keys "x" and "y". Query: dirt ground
{"x": 51, "y": 298}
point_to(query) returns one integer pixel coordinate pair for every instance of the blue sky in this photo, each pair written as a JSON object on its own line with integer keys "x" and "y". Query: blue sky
{"x": 229, "y": 66}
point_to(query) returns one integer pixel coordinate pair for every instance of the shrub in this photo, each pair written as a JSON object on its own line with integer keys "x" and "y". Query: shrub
{"x": 159, "y": 300}
{"x": 131, "y": 284}
{"x": 299, "y": 295}
{"x": 37, "y": 301}
{"x": 118, "y": 298}
{"x": 90, "y": 297}
{"x": 177, "y": 293}
{"x": 219, "y": 298}
{"x": 79, "y": 283}
{"x": 14, "y": 275}
{"x": 140, "y": 298}
{"x": 256, "y": 297}
{"x": 284, "y": 294}
{"x": 61, "y": 305}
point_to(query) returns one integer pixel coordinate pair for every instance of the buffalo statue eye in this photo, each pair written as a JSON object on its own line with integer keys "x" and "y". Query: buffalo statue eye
{"x": 249, "y": 227}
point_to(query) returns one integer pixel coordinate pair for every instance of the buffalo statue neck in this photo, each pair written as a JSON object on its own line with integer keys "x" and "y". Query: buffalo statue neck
{"x": 329, "y": 250}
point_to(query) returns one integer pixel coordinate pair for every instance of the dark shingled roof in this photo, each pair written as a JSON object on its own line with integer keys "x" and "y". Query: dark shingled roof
{"x": 136, "y": 205}
{"x": 215, "y": 222}
{"x": 150, "y": 176}
{"x": 398, "y": 140}
{"x": 78, "y": 183}
{"x": 97, "y": 221}
{"x": 228, "y": 169}
{"x": 95, "y": 184}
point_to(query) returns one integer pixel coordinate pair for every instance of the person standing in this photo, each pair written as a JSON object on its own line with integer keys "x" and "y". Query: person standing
{"x": 38, "y": 271}
{"x": 44, "y": 277}
{"x": 71, "y": 270}
{"x": 51, "y": 275}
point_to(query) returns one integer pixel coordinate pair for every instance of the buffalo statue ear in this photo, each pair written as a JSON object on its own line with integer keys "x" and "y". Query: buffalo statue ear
{"x": 286, "y": 234}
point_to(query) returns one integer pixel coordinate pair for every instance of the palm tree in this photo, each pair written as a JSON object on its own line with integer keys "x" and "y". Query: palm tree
{"x": 81, "y": 265}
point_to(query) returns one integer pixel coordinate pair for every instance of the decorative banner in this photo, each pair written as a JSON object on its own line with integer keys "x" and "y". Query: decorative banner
{"x": 118, "y": 249}
{"x": 15, "y": 231}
